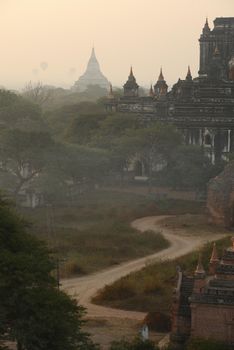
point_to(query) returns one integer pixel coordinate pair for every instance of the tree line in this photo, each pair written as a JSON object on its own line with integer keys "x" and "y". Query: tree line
{"x": 73, "y": 148}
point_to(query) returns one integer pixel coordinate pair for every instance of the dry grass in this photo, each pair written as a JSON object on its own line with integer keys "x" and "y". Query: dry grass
{"x": 151, "y": 288}
{"x": 193, "y": 225}
{"x": 94, "y": 232}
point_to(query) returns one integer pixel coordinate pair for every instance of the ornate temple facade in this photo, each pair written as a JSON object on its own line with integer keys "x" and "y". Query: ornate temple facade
{"x": 92, "y": 76}
{"x": 202, "y": 107}
{"x": 203, "y": 304}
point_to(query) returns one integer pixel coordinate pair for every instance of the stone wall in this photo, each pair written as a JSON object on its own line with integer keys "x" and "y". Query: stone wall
{"x": 220, "y": 198}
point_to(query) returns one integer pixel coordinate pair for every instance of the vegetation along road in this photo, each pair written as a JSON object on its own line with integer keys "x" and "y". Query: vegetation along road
{"x": 84, "y": 288}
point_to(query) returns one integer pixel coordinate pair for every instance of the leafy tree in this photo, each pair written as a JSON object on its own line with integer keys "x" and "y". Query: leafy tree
{"x": 71, "y": 169}
{"x": 17, "y": 112}
{"x": 152, "y": 144}
{"x": 113, "y": 127}
{"x": 189, "y": 168}
{"x": 76, "y": 121}
{"x": 23, "y": 155}
{"x": 33, "y": 313}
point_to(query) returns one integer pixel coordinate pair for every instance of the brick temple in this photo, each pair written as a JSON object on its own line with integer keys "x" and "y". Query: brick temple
{"x": 203, "y": 304}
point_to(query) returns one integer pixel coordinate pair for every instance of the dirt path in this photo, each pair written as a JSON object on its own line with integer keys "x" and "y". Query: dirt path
{"x": 84, "y": 288}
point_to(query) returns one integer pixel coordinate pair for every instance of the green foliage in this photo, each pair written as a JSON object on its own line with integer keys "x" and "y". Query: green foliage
{"x": 136, "y": 344}
{"x": 23, "y": 155}
{"x": 33, "y": 312}
{"x": 188, "y": 168}
{"x": 202, "y": 344}
{"x": 75, "y": 122}
{"x": 17, "y": 112}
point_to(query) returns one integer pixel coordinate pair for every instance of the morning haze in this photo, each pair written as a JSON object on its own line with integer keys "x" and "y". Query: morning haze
{"x": 51, "y": 40}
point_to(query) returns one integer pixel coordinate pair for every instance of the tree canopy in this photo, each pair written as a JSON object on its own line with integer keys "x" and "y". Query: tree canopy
{"x": 33, "y": 312}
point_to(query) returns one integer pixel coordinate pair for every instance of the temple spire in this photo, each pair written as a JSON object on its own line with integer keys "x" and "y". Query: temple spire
{"x": 189, "y": 75}
{"x": 206, "y": 28}
{"x": 200, "y": 269}
{"x": 151, "y": 91}
{"x": 214, "y": 255}
{"x": 160, "y": 88}
{"x": 161, "y": 77}
{"x": 131, "y": 86}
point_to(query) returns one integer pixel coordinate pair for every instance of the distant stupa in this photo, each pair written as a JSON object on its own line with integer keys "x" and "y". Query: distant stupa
{"x": 92, "y": 76}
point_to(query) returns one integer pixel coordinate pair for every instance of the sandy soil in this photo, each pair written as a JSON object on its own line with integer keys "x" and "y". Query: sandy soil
{"x": 107, "y": 324}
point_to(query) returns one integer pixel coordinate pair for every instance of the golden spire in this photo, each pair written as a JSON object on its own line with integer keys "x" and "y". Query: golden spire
{"x": 131, "y": 72}
{"x": 200, "y": 269}
{"x": 214, "y": 255}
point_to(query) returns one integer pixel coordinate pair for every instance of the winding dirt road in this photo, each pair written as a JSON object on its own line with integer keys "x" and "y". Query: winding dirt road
{"x": 84, "y": 288}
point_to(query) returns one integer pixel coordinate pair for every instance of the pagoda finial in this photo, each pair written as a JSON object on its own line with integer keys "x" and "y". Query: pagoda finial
{"x": 214, "y": 255}
{"x": 200, "y": 269}
{"x": 189, "y": 75}
{"x": 161, "y": 77}
{"x": 131, "y": 72}
{"x": 93, "y": 51}
{"x": 206, "y": 28}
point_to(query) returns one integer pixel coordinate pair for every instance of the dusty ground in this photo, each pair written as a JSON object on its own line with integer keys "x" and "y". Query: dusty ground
{"x": 108, "y": 324}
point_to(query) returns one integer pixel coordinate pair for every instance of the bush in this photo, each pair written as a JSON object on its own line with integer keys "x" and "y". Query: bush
{"x": 202, "y": 344}
{"x": 157, "y": 321}
{"x": 136, "y": 344}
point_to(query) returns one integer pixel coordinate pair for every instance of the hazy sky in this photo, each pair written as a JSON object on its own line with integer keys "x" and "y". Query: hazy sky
{"x": 142, "y": 33}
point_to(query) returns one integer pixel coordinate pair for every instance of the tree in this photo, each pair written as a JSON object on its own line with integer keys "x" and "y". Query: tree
{"x": 152, "y": 144}
{"x": 189, "y": 168}
{"x": 72, "y": 169}
{"x": 23, "y": 155}
{"x": 19, "y": 113}
{"x": 33, "y": 312}
{"x": 37, "y": 93}
{"x": 75, "y": 122}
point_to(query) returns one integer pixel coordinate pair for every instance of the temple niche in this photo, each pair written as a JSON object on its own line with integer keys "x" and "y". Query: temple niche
{"x": 220, "y": 198}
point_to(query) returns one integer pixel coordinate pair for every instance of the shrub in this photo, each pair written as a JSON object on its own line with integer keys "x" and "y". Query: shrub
{"x": 158, "y": 321}
{"x": 136, "y": 344}
{"x": 202, "y": 344}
